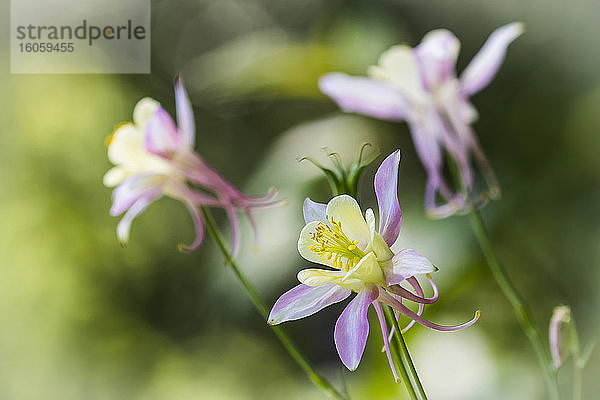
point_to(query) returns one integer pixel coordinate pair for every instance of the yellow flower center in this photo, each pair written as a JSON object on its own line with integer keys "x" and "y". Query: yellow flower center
{"x": 332, "y": 244}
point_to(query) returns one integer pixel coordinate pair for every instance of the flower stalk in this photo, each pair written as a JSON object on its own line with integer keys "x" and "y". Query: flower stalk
{"x": 262, "y": 309}
{"x": 577, "y": 378}
{"x": 408, "y": 361}
{"x": 578, "y": 362}
{"x": 519, "y": 306}
{"x": 580, "y": 359}
{"x": 398, "y": 348}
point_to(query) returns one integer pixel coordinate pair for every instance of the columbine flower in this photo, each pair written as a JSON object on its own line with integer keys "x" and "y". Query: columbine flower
{"x": 361, "y": 260}
{"x": 420, "y": 86}
{"x": 153, "y": 157}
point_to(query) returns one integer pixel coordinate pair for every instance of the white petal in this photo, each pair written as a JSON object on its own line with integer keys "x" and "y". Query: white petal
{"x": 436, "y": 56}
{"x": 426, "y": 137}
{"x": 313, "y": 211}
{"x": 364, "y": 96}
{"x": 134, "y": 188}
{"x": 370, "y": 219}
{"x": 405, "y": 264}
{"x": 302, "y": 301}
{"x": 352, "y": 328}
{"x": 378, "y": 245}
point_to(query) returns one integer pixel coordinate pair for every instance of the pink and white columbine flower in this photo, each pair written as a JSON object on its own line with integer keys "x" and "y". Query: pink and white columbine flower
{"x": 153, "y": 157}
{"x": 419, "y": 85}
{"x": 361, "y": 259}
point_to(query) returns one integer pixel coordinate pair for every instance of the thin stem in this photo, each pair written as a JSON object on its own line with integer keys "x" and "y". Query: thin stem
{"x": 406, "y": 358}
{"x": 519, "y": 306}
{"x": 261, "y": 307}
{"x": 578, "y": 360}
{"x": 577, "y": 378}
{"x": 344, "y": 389}
{"x": 395, "y": 348}
{"x": 411, "y": 365}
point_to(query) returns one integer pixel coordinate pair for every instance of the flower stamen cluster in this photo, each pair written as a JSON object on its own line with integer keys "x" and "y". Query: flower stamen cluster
{"x": 332, "y": 242}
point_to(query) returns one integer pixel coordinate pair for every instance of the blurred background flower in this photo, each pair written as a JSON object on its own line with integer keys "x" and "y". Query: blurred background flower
{"x": 83, "y": 318}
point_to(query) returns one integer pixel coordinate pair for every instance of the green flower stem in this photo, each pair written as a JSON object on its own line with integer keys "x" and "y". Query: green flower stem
{"x": 261, "y": 307}
{"x": 519, "y": 306}
{"x": 395, "y": 349}
{"x": 577, "y": 378}
{"x": 578, "y": 361}
{"x": 405, "y": 355}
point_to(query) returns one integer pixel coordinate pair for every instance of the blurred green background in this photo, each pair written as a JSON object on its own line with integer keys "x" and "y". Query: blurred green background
{"x": 83, "y": 318}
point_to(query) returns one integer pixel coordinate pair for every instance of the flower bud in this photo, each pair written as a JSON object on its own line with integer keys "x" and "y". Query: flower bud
{"x": 560, "y": 334}
{"x": 344, "y": 180}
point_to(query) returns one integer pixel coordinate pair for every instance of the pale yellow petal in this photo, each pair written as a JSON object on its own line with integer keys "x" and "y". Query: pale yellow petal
{"x": 127, "y": 144}
{"x": 345, "y": 209}
{"x": 380, "y": 247}
{"x": 126, "y": 150}
{"x": 144, "y": 109}
{"x": 376, "y": 242}
{"x": 398, "y": 67}
{"x": 318, "y": 277}
{"x": 368, "y": 270}
{"x": 356, "y": 285}
{"x": 114, "y": 176}
{"x": 305, "y": 241}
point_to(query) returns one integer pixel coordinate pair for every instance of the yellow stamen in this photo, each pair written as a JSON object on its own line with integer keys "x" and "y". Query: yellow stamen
{"x": 109, "y": 139}
{"x": 332, "y": 243}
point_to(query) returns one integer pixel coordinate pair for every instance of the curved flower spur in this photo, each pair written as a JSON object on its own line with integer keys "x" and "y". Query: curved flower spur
{"x": 153, "y": 157}
{"x": 361, "y": 260}
{"x": 419, "y": 85}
